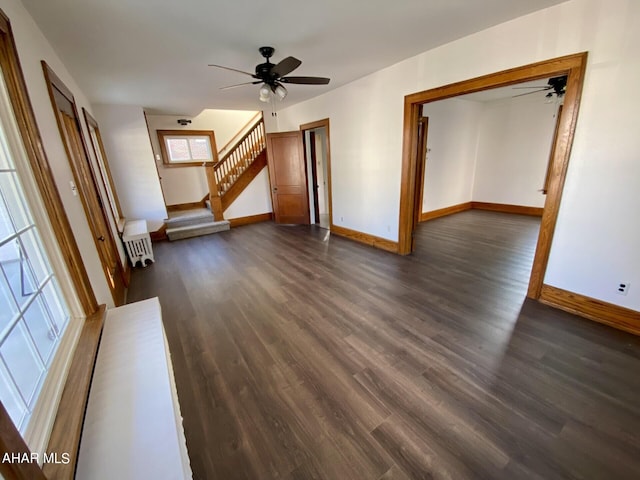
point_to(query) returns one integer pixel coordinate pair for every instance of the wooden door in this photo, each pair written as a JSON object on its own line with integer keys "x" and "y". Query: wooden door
{"x": 288, "y": 177}
{"x": 86, "y": 182}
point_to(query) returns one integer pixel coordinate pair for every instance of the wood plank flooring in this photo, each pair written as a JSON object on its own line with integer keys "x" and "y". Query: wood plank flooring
{"x": 303, "y": 356}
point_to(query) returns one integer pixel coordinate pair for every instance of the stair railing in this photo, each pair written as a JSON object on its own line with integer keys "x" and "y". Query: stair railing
{"x": 238, "y": 158}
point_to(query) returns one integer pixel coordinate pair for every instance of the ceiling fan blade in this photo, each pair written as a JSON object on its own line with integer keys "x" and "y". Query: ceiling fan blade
{"x": 287, "y": 65}
{"x": 529, "y": 93}
{"x": 233, "y": 70}
{"x": 306, "y": 80}
{"x": 229, "y": 87}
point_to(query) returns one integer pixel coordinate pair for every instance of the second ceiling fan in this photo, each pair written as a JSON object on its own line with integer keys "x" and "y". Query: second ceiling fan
{"x": 273, "y": 75}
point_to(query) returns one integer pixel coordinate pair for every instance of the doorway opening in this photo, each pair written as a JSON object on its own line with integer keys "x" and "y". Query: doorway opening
{"x": 318, "y": 167}
{"x": 573, "y": 66}
{"x": 86, "y": 181}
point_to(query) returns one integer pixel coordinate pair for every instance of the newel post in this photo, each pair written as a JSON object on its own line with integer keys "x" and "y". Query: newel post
{"x": 214, "y": 194}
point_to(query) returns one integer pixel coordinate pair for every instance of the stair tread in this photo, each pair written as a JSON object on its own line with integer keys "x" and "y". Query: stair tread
{"x": 196, "y": 226}
{"x": 184, "y": 214}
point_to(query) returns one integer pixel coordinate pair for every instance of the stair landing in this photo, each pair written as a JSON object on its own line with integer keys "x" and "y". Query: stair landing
{"x": 193, "y": 223}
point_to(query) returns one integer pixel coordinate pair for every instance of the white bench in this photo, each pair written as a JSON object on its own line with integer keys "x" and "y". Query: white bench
{"x": 133, "y": 426}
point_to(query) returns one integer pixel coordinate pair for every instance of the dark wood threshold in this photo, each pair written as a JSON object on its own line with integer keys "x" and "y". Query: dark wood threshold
{"x": 591, "y": 308}
{"x": 67, "y": 428}
{"x": 261, "y": 217}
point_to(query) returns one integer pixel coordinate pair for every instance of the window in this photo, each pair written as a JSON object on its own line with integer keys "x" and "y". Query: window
{"x": 187, "y": 148}
{"x": 33, "y": 313}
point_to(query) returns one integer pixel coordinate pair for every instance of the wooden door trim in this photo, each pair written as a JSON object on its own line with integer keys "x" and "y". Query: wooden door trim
{"x": 552, "y": 152}
{"x": 93, "y": 123}
{"x": 107, "y": 183}
{"x": 319, "y": 124}
{"x": 53, "y": 81}
{"x": 422, "y": 165}
{"x": 314, "y": 174}
{"x": 571, "y": 65}
{"x": 41, "y": 168}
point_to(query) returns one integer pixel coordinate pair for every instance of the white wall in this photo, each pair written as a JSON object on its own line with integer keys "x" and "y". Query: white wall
{"x": 254, "y": 200}
{"x": 452, "y": 139}
{"x": 189, "y": 184}
{"x": 514, "y": 142}
{"x": 33, "y": 47}
{"x": 596, "y": 238}
{"x": 126, "y": 143}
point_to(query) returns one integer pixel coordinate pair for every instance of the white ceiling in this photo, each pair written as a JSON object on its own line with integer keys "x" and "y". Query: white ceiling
{"x": 154, "y": 53}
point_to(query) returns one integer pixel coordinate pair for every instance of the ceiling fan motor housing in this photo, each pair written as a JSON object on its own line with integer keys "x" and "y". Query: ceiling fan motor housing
{"x": 263, "y": 72}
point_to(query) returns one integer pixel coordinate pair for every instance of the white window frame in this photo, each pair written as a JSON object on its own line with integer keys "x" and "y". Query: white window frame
{"x": 37, "y": 431}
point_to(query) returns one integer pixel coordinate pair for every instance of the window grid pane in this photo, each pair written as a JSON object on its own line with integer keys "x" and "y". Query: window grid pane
{"x": 13, "y": 201}
{"x": 40, "y": 330}
{"x": 33, "y": 313}
{"x": 19, "y": 354}
{"x": 10, "y": 397}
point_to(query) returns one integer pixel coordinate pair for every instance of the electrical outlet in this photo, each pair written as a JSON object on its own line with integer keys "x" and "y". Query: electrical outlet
{"x": 342, "y": 219}
{"x": 623, "y": 288}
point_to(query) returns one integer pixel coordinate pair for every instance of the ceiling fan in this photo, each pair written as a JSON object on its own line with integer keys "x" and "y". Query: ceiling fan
{"x": 556, "y": 85}
{"x": 273, "y": 75}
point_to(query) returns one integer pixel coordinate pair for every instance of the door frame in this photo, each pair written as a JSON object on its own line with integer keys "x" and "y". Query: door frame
{"x": 421, "y": 149}
{"x": 314, "y": 172}
{"x": 327, "y": 145}
{"x": 87, "y": 185}
{"x": 571, "y": 65}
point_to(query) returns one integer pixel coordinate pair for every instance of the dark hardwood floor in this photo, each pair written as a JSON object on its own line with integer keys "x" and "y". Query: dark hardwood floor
{"x": 299, "y": 356}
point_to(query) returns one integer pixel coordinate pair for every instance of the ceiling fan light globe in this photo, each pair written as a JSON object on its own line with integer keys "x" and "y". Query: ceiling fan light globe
{"x": 280, "y": 92}
{"x": 265, "y": 94}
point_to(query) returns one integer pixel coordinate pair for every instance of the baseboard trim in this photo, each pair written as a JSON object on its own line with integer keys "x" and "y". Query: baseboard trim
{"x": 371, "y": 240}
{"x": 180, "y": 207}
{"x": 160, "y": 234}
{"x": 261, "y": 217}
{"x": 443, "y": 212}
{"x": 506, "y": 208}
{"x": 596, "y": 310}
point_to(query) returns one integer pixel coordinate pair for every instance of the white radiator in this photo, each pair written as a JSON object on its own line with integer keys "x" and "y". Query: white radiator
{"x": 138, "y": 242}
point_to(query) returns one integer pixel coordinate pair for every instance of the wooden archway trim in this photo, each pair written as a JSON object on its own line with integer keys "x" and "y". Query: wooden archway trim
{"x": 571, "y": 65}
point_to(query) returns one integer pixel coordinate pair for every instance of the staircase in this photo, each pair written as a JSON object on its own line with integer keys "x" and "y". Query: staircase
{"x": 245, "y": 157}
{"x": 193, "y": 223}
{"x": 241, "y": 164}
